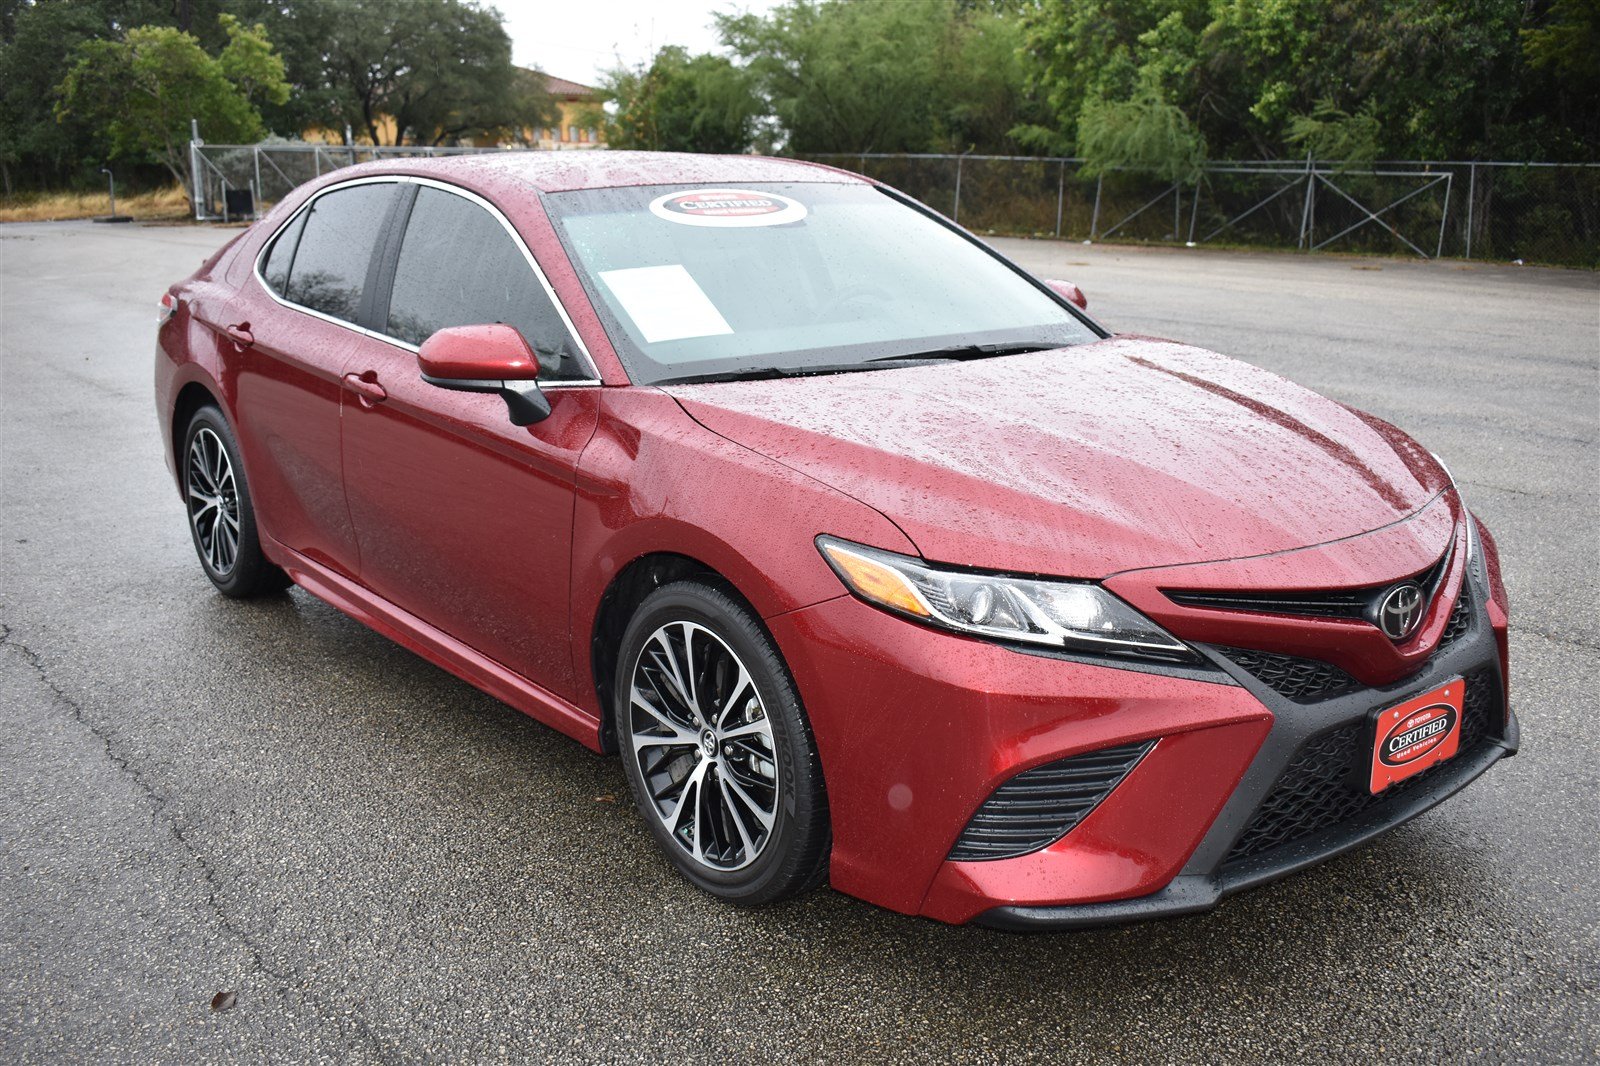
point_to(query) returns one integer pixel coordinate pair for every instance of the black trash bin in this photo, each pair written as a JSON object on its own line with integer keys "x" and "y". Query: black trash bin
{"x": 238, "y": 203}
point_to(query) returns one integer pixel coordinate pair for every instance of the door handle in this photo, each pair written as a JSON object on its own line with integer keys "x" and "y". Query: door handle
{"x": 365, "y": 385}
{"x": 240, "y": 334}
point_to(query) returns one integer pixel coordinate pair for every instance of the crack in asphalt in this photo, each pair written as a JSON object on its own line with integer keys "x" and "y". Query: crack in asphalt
{"x": 159, "y": 807}
{"x": 1571, "y": 642}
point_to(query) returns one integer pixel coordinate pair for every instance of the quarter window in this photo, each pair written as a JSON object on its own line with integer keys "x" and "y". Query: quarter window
{"x": 329, "y": 249}
{"x": 459, "y": 267}
{"x": 276, "y": 268}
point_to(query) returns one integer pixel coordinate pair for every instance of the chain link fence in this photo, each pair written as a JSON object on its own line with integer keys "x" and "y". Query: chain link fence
{"x": 233, "y": 181}
{"x": 1535, "y": 212}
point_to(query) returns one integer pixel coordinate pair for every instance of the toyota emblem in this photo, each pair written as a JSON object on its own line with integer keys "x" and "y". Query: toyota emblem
{"x": 1399, "y": 611}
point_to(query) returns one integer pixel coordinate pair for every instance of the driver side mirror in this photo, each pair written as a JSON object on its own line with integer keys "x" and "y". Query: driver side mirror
{"x": 1069, "y": 292}
{"x": 492, "y": 358}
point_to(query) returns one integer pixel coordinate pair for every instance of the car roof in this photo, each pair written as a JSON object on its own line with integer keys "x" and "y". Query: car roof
{"x": 553, "y": 171}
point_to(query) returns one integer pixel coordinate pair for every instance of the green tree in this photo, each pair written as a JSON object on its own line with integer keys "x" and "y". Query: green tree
{"x": 1350, "y": 78}
{"x": 440, "y": 69}
{"x": 1329, "y": 133}
{"x": 682, "y": 103}
{"x": 140, "y": 92}
{"x": 840, "y": 76}
{"x": 1082, "y": 52}
{"x": 250, "y": 64}
{"x": 37, "y": 41}
{"x": 1146, "y": 132}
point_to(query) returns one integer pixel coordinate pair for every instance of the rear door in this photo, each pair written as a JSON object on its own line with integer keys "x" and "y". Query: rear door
{"x": 315, "y": 271}
{"x": 463, "y": 518}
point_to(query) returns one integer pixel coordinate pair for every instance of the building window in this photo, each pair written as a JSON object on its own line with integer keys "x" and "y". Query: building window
{"x": 594, "y": 136}
{"x": 572, "y": 133}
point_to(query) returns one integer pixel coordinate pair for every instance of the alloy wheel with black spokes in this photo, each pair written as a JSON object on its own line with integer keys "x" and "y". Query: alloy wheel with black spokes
{"x": 213, "y": 502}
{"x": 222, "y": 519}
{"x": 704, "y": 746}
{"x": 716, "y": 748}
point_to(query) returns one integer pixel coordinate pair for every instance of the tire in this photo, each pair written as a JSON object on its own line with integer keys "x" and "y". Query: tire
{"x": 749, "y": 746}
{"x": 222, "y": 518}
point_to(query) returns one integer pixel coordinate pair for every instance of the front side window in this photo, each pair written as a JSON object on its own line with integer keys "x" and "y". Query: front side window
{"x": 320, "y": 260}
{"x": 459, "y": 267}
{"x": 778, "y": 277}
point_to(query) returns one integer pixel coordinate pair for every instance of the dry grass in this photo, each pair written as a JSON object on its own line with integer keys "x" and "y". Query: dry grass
{"x": 170, "y": 203}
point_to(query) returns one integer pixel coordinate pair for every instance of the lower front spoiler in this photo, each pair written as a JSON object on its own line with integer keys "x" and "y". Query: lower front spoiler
{"x": 1191, "y": 893}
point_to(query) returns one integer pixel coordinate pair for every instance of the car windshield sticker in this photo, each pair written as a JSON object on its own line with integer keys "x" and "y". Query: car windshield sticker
{"x": 665, "y": 303}
{"x": 727, "y": 208}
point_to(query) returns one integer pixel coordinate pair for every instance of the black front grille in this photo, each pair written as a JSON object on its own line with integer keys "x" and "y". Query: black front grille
{"x": 1301, "y": 680}
{"x": 1326, "y": 784}
{"x": 1316, "y": 603}
{"x": 1342, "y": 604}
{"x": 1040, "y": 806}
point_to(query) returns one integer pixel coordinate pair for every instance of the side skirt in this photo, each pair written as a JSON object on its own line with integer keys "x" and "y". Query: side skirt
{"x": 437, "y": 646}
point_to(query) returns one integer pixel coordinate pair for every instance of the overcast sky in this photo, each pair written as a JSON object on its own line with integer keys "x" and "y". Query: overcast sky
{"x": 577, "y": 39}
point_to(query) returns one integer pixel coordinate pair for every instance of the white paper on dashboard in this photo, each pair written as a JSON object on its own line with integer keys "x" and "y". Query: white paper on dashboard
{"x": 665, "y": 303}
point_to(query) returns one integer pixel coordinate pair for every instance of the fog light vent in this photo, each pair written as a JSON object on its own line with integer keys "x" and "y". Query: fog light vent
{"x": 1040, "y": 806}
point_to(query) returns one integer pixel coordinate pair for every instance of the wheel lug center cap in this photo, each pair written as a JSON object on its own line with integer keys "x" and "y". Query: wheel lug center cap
{"x": 708, "y": 744}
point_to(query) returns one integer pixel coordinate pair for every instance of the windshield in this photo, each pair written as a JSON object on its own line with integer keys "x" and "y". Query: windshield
{"x": 701, "y": 281}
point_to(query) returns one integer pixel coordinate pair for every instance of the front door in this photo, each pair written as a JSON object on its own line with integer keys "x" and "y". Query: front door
{"x": 464, "y": 519}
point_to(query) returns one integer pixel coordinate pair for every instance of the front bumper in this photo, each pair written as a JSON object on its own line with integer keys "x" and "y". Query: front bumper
{"x": 1189, "y": 893}
{"x": 917, "y": 728}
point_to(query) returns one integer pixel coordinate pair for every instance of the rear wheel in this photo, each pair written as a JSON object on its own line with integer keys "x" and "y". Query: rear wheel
{"x": 716, "y": 747}
{"x": 222, "y": 520}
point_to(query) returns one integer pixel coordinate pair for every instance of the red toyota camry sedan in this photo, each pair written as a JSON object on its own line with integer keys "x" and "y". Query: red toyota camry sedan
{"x": 874, "y": 558}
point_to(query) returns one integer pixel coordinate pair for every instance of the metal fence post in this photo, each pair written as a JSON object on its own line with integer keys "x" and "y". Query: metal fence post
{"x": 1194, "y": 214}
{"x": 1444, "y": 216}
{"x": 956, "y": 217}
{"x": 1061, "y": 195}
{"x": 1472, "y": 197}
{"x": 194, "y": 166}
{"x": 1305, "y": 212}
{"x": 1094, "y": 218}
{"x": 256, "y": 153}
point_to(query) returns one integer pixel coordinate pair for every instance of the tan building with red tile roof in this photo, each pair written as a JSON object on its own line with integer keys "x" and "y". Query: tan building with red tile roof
{"x": 576, "y": 126}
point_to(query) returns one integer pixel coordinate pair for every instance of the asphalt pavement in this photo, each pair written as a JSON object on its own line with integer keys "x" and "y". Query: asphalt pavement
{"x": 380, "y": 863}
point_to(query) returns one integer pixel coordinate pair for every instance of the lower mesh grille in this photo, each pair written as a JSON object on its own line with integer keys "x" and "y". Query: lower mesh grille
{"x": 1326, "y": 784}
{"x": 1040, "y": 806}
{"x": 1301, "y": 680}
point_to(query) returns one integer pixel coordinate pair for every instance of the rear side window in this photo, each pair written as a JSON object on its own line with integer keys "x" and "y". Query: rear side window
{"x": 276, "y": 268}
{"x": 459, "y": 267}
{"x": 329, "y": 250}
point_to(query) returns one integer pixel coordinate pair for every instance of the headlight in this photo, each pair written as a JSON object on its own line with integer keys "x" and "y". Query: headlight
{"x": 1062, "y": 614}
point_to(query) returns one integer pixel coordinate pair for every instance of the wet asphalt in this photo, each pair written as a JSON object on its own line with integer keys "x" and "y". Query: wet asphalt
{"x": 199, "y": 796}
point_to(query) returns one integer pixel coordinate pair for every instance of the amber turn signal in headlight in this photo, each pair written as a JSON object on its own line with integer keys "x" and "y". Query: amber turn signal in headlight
{"x": 1074, "y": 615}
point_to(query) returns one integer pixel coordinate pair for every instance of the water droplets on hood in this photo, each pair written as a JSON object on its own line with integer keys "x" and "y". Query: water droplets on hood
{"x": 1177, "y": 454}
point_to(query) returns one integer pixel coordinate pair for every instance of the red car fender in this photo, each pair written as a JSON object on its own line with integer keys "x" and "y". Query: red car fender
{"x": 653, "y": 481}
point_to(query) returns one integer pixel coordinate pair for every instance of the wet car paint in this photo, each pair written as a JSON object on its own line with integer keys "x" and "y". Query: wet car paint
{"x": 1111, "y": 459}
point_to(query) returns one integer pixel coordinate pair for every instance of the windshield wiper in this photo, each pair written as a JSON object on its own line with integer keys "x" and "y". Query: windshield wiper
{"x": 756, "y": 373}
{"x": 968, "y": 351}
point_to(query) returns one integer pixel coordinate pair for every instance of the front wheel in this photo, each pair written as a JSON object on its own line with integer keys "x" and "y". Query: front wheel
{"x": 222, "y": 518}
{"x": 716, "y": 747}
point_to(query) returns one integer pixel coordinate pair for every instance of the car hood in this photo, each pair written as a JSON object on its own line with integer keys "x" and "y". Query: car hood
{"x": 1084, "y": 461}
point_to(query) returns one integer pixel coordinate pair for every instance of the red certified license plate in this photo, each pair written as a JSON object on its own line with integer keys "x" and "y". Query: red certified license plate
{"x": 1421, "y": 732}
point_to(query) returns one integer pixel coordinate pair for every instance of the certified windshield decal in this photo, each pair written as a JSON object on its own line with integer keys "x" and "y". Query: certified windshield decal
{"x": 730, "y": 208}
